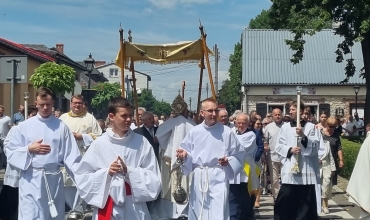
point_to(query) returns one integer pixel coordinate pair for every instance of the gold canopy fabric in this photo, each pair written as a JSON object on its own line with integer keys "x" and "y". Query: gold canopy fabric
{"x": 190, "y": 51}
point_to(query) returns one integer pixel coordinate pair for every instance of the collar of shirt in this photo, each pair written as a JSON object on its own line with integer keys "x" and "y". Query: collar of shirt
{"x": 238, "y": 132}
{"x": 293, "y": 123}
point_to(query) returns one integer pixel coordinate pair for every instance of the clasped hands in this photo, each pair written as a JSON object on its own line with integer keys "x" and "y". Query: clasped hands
{"x": 181, "y": 154}
{"x": 118, "y": 166}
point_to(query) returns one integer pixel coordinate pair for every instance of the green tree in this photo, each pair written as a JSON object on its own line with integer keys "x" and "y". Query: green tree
{"x": 353, "y": 18}
{"x": 230, "y": 91}
{"x": 104, "y": 92}
{"x": 265, "y": 20}
{"x": 59, "y": 78}
{"x": 162, "y": 108}
{"x": 146, "y": 100}
{"x": 261, "y": 21}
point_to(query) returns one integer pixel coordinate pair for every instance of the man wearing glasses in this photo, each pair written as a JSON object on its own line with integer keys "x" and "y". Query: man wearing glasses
{"x": 224, "y": 119}
{"x": 211, "y": 151}
{"x": 85, "y": 129}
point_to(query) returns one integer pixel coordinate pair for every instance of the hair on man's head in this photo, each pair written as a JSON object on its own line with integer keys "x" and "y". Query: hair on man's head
{"x": 43, "y": 92}
{"x": 118, "y": 102}
{"x": 294, "y": 104}
{"x": 77, "y": 96}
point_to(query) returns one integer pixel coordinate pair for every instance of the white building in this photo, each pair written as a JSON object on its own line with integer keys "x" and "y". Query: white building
{"x": 269, "y": 78}
{"x": 113, "y": 73}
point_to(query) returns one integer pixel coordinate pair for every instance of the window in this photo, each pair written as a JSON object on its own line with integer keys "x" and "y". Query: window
{"x": 113, "y": 72}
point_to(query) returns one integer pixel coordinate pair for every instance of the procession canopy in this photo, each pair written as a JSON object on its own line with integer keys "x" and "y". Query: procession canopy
{"x": 185, "y": 51}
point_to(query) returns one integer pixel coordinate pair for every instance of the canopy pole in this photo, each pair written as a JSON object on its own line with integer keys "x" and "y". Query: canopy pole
{"x": 132, "y": 68}
{"x": 122, "y": 61}
{"x": 200, "y": 86}
{"x": 205, "y": 52}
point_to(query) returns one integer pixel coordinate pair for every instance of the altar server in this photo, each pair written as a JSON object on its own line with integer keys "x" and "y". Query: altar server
{"x": 39, "y": 147}
{"x": 119, "y": 173}
{"x": 213, "y": 153}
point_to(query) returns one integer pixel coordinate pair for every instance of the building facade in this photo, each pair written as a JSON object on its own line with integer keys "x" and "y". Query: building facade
{"x": 270, "y": 79}
{"x": 113, "y": 73}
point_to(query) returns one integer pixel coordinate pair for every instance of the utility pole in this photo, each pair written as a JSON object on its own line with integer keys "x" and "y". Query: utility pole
{"x": 190, "y": 103}
{"x": 183, "y": 90}
{"x": 217, "y": 57}
{"x": 207, "y": 88}
{"x": 13, "y": 80}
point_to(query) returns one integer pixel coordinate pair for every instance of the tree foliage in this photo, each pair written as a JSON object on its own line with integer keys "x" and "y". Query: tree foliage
{"x": 104, "y": 92}
{"x": 261, "y": 21}
{"x": 59, "y": 78}
{"x": 230, "y": 91}
{"x": 162, "y": 108}
{"x": 353, "y": 18}
{"x": 150, "y": 103}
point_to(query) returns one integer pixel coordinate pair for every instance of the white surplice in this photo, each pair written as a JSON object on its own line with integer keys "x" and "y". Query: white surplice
{"x": 209, "y": 189}
{"x": 95, "y": 184}
{"x": 248, "y": 143}
{"x": 308, "y": 158}
{"x": 35, "y": 192}
{"x": 170, "y": 135}
{"x": 358, "y": 188}
{"x": 12, "y": 174}
{"x": 89, "y": 128}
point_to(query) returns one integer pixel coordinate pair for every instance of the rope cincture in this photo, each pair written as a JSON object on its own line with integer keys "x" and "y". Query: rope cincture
{"x": 52, "y": 208}
{"x": 204, "y": 190}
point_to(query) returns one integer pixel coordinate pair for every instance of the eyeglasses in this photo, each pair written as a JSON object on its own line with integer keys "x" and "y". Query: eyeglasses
{"x": 210, "y": 111}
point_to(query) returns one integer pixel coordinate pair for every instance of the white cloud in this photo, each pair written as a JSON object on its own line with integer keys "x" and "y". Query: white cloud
{"x": 169, "y": 4}
{"x": 166, "y": 4}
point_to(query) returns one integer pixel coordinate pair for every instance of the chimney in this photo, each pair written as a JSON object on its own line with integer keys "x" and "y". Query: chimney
{"x": 60, "y": 48}
{"x": 99, "y": 63}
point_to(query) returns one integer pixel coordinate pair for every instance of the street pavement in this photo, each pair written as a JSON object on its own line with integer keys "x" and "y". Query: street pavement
{"x": 339, "y": 206}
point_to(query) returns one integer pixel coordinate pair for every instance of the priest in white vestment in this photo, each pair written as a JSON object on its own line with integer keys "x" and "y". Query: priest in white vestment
{"x": 170, "y": 135}
{"x": 85, "y": 129}
{"x": 358, "y": 186}
{"x": 300, "y": 172}
{"x": 119, "y": 173}
{"x": 212, "y": 152}
{"x": 39, "y": 147}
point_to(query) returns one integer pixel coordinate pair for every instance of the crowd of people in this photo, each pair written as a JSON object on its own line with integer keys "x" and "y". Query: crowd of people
{"x": 196, "y": 167}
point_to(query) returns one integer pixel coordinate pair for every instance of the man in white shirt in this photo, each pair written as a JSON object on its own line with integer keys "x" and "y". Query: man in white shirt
{"x": 271, "y": 135}
{"x": 360, "y": 124}
{"x": 351, "y": 126}
{"x": 5, "y": 124}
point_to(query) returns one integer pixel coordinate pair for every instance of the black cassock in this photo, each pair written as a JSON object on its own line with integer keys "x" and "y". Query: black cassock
{"x": 9, "y": 203}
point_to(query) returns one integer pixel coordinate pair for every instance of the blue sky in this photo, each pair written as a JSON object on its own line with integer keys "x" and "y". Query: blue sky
{"x": 91, "y": 26}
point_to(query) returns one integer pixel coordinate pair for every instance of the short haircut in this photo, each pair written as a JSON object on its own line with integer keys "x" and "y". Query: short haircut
{"x": 294, "y": 104}
{"x": 307, "y": 109}
{"x": 77, "y": 96}
{"x": 32, "y": 108}
{"x": 240, "y": 114}
{"x": 142, "y": 109}
{"x": 118, "y": 102}
{"x": 2, "y": 107}
{"x": 58, "y": 110}
{"x": 100, "y": 121}
{"x": 208, "y": 100}
{"x": 43, "y": 92}
{"x": 145, "y": 115}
